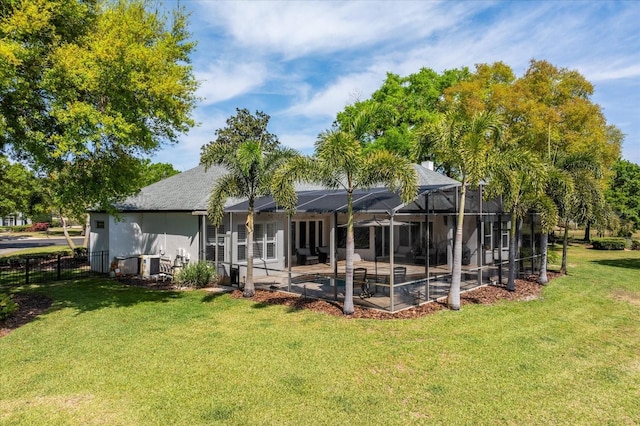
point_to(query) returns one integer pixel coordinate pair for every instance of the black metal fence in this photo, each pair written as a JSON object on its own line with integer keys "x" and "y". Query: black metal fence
{"x": 21, "y": 270}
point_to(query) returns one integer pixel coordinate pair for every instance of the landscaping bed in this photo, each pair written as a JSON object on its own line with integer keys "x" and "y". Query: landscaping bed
{"x": 526, "y": 289}
{"x": 30, "y": 305}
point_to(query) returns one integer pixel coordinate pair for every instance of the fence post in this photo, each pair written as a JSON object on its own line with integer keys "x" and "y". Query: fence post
{"x": 58, "y": 269}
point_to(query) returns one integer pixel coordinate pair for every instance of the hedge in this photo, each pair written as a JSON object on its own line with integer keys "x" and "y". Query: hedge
{"x": 635, "y": 244}
{"x": 609, "y": 243}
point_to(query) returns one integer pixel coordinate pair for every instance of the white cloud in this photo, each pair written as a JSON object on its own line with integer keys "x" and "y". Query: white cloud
{"x": 344, "y": 91}
{"x": 225, "y": 80}
{"x": 296, "y": 29}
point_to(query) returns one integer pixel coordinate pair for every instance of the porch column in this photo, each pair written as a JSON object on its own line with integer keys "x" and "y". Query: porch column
{"x": 533, "y": 243}
{"x": 289, "y": 253}
{"x": 480, "y": 232}
{"x": 203, "y": 238}
{"x": 334, "y": 254}
{"x": 391, "y": 262}
{"x": 426, "y": 250}
{"x": 500, "y": 248}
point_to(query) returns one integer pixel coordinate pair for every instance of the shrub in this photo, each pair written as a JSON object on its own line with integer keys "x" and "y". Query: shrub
{"x": 19, "y": 228}
{"x": 198, "y": 274}
{"x": 635, "y": 244}
{"x": 609, "y": 243}
{"x": 7, "y": 306}
{"x": 80, "y": 253}
{"x": 38, "y": 226}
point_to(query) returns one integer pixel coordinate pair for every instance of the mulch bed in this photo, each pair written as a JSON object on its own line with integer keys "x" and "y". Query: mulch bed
{"x": 30, "y": 305}
{"x": 526, "y": 289}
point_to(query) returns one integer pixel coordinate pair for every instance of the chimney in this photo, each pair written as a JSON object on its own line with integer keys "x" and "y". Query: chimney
{"x": 427, "y": 164}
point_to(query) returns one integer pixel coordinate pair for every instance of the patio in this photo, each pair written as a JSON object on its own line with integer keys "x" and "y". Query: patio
{"x": 320, "y": 281}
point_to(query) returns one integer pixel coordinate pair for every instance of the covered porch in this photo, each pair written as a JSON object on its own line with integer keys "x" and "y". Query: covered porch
{"x": 403, "y": 252}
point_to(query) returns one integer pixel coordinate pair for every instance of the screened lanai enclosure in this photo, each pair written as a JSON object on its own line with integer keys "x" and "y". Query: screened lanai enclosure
{"x": 403, "y": 252}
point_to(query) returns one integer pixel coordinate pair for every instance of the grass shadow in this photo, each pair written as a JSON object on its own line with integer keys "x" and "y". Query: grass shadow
{"x": 211, "y": 296}
{"x": 86, "y": 295}
{"x": 619, "y": 263}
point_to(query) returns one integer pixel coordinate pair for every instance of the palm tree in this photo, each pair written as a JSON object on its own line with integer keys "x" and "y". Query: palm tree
{"x": 548, "y": 220}
{"x": 464, "y": 145}
{"x": 340, "y": 163}
{"x": 576, "y": 191}
{"x": 251, "y": 155}
{"x": 520, "y": 177}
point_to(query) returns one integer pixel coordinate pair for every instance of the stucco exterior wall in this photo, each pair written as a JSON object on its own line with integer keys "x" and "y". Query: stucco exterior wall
{"x": 161, "y": 233}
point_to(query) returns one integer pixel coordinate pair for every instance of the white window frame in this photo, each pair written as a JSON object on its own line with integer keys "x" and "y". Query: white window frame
{"x": 263, "y": 239}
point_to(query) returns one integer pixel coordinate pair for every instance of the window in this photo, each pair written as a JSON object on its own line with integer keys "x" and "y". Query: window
{"x": 215, "y": 251}
{"x": 264, "y": 241}
{"x": 100, "y": 224}
{"x": 360, "y": 237}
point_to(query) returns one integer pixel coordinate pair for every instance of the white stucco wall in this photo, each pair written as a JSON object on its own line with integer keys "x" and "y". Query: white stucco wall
{"x": 99, "y": 237}
{"x": 154, "y": 233}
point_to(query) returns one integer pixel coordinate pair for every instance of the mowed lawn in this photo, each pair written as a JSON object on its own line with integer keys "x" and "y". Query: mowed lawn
{"x": 108, "y": 354}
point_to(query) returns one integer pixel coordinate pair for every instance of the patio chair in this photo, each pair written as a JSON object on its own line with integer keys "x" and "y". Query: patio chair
{"x": 323, "y": 253}
{"x": 399, "y": 274}
{"x": 360, "y": 277}
{"x": 306, "y": 258}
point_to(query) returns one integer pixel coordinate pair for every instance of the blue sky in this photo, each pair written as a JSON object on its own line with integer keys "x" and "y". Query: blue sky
{"x": 302, "y": 62}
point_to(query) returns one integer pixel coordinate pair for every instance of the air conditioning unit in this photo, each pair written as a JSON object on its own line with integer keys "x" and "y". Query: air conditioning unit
{"x": 149, "y": 265}
{"x": 128, "y": 265}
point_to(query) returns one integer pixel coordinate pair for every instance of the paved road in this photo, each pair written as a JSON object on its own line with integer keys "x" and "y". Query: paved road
{"x": 10, "y": 244}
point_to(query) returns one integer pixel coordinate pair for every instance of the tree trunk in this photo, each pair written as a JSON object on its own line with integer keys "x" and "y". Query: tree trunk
{"x": 565, "y": 245}
{"x": 249, "y": 288}
{"x": 87, "y": 231}
{"x": 542, "y": 276}
{"x": 65, "y": 230}
{"x": 453, "y": 299}
{"x": 511, "y": 280}
{"x": 587, "y": 232}
{"x": 348, "y": 308}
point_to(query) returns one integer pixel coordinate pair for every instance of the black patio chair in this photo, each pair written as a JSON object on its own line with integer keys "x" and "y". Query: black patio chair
{"x": 360, "y": 277}
{"x": 399, "y": 274}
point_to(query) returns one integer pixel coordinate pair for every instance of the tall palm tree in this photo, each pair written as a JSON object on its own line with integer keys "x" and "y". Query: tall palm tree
{"x": 520, "y": 177}
{"x": 251, "y": 155}
{"x": 464, "y": 145}
{"x": 340, "y": 163}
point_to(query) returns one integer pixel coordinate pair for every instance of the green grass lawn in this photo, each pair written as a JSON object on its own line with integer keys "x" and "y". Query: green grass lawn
{"x": 37, "y": 251}
{"x": 108, "y": 354}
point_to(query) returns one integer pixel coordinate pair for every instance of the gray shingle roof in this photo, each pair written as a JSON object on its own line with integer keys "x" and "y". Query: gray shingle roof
{"x": 186, "y": 191}
{"x": 189, "y": 190}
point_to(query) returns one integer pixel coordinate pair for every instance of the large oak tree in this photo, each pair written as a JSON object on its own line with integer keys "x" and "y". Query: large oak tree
{"x": 88, "y": 89}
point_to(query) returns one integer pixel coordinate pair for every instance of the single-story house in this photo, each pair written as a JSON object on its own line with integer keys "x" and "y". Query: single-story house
{"x": 169, "y": 219}
{"x": 17, "y": 219}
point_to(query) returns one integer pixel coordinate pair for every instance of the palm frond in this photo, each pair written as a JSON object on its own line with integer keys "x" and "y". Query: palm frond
{"x": 394, "y": 172}
{"x": 228, "y": 186}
